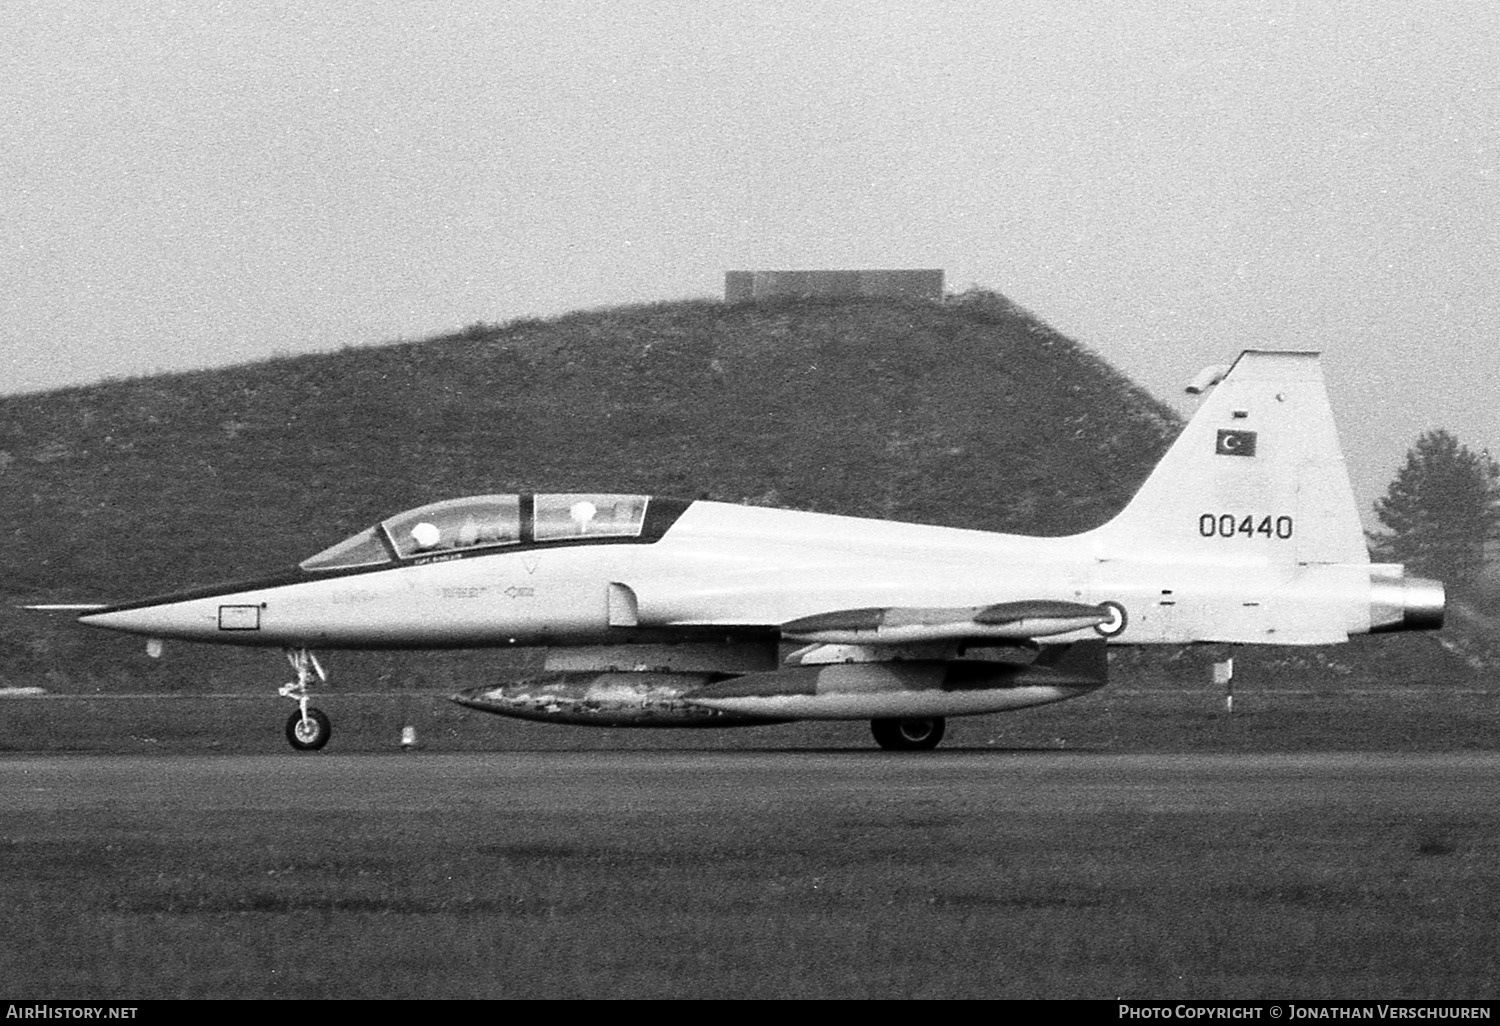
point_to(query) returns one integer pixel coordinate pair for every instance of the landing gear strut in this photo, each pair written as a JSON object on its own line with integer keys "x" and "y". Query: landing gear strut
{"x": 308, "y": 729}
{"x": 908, "y": 735}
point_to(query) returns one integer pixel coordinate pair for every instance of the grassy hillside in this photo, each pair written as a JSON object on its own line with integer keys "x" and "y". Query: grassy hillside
{"x": 968, "y": 413}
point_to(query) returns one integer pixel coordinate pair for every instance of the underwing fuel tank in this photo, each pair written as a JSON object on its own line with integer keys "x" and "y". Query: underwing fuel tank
{"x": 837, "y": 691}
{"x": 879, "y": 690}
{"x": 608, "y": 698}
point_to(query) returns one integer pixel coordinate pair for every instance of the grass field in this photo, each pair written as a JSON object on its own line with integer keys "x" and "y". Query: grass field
{"x": 739, "y": 874}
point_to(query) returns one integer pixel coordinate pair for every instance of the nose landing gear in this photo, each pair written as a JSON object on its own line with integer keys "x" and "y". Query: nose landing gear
{"x": 308, "y": 729}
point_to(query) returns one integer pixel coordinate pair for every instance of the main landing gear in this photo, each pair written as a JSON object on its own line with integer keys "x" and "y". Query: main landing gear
{"x": 908, "y": 735}
{"x": 308, "y": 729}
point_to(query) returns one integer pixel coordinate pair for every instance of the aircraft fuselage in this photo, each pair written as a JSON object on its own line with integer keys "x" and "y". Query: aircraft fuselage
{"x": 722, "y": 566}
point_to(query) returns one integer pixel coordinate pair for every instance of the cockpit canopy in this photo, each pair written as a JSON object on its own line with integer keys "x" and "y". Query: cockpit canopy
{"x": 478, "y": 521}
{"x": 485, "y": 522}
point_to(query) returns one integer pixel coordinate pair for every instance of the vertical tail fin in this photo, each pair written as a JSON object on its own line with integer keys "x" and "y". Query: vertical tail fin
{"x": 1257, "y": 473}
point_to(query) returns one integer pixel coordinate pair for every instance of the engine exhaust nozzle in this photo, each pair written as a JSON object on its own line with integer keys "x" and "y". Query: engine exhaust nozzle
{"x": 1403, "y": 603}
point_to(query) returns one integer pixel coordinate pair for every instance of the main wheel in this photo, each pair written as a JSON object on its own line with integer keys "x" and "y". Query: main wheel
{"x": 908, "y": 735}
{"x": 310, "y": 733}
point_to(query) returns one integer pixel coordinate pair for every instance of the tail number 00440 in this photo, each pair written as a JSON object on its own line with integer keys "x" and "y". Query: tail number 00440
{"x": 1230, "y": 525}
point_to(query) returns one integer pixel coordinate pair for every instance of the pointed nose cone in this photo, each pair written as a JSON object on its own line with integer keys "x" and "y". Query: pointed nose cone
{"x": 230, "y": 613}
{"x": 191, "y": 619}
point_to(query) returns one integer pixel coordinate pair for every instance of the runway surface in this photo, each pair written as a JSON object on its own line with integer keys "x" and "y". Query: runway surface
{"x": 678, "y": 782}
{"x": 760, "y": 872}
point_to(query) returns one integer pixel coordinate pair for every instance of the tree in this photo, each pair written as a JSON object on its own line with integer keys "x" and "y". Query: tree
{"x": 1441, "y": 510}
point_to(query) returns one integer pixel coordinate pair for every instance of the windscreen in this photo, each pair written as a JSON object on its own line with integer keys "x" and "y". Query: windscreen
{"x": 364, "y": 549}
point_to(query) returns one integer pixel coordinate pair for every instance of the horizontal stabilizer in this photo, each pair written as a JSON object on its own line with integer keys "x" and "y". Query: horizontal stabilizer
{"x": 1034, "y": 618}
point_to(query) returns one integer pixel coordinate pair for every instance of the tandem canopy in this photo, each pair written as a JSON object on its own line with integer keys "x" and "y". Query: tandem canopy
{"x": 481, "y": 522}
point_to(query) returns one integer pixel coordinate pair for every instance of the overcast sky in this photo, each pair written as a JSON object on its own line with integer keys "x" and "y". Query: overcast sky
{"x": 200, "y": 184}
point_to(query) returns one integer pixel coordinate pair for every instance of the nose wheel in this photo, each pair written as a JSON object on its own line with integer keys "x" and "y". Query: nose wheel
{"x": 308, "y": 729}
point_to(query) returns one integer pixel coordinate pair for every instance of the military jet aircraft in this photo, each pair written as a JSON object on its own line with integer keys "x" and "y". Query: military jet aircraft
{"x": 661, "y": 612}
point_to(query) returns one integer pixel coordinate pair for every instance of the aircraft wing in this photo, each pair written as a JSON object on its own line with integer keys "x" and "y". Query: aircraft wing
{"x": 902, "y": 625}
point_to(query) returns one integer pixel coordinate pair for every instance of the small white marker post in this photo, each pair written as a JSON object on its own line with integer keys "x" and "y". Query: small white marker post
{"x": 1224, "y": 674}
